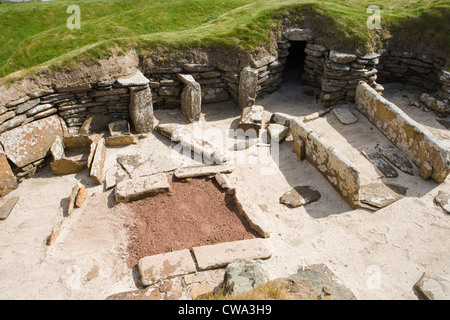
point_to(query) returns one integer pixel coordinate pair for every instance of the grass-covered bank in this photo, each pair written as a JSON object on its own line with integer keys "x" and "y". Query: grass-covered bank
{"x": 35, "y": 33}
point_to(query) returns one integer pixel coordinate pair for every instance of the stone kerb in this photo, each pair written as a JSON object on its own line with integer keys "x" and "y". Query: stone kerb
{"x": 408, "y": 135}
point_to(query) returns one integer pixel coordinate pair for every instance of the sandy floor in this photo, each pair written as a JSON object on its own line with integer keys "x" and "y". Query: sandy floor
{"x": 377, "y": 255}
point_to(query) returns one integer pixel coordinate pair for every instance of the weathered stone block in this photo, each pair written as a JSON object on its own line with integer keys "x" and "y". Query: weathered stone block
{"x": 296, "y": 34}
{"x": 252, "y": 118}
{"x": 248, "y": 84}
{"x": 191, "y": 98}
{"x": 141, "y": 187}
{"x": 166, "y": 265}
{"x": 98, "y": 162}
{"x": 6, "y": 206}
{"x": 203, "y": 170}
{"x": 222, "y": 254}
{"x": 135, "y": 80}
{"x": 299, "y": 148}
{"x": 32, "y": 141}
{"x": 141, "y": 110}
{"x": 8, "y": 181}
{"x": 65, "y": 166}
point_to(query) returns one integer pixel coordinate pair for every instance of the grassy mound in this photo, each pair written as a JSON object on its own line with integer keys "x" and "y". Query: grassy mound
{"x": 35, "y": 33}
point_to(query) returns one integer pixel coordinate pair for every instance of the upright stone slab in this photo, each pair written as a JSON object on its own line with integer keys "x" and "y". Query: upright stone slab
{"x": 98, "y": 162}
{"x": 252, "y": 118}
{"x": 141, "y": 109}
{"x": 8, "y": 181}
{"x": 191, "y": 98}
{"x": 248, "y": 83}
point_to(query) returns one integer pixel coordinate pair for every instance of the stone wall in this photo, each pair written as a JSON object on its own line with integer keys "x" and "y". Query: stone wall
{"x": 416, "y": 69}
{"x": 409, "y": 136}
{"x": 339, "y": 171}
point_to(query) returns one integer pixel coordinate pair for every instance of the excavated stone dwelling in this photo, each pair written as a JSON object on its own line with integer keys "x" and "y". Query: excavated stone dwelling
{"x": 41, "y": 112}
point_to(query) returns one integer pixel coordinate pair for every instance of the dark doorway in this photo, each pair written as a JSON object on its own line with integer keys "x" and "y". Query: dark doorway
{"x": 295, "y": 61}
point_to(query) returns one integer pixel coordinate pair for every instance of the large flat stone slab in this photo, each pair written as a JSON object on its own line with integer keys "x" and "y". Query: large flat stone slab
{"x": 252, "y": 213}
{"x": 183, "y": 136}
{"x": 203, "y": 170}
{"x": 397, "y": 158}
{"x": 31, "y": 142}
{"x": 166, "y": 265}
{"x": 141, "y": 188}
{"x": 377, "y": 195}
{"x": 66, "y": 166}
{"x": 315, "y": 282}
{"x": 443, "y": 199}
{"x": 381, "y": 163}
{"x": 156, "y": 163}
{"x": 222, "y": 254}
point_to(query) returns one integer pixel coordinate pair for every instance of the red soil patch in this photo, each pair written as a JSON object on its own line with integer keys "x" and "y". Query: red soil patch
{"x": 195, "y": 213}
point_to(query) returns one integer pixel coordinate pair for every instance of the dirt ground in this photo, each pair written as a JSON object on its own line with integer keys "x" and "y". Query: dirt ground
{"x": 377, "y": 255}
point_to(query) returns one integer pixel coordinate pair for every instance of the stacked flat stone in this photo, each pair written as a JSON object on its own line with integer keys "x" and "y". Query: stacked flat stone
{"x": 408, "y": 67}
{"x": 342, "y": 73}
{"x": 314, "y": 64}
{"x": 167, "y": 88}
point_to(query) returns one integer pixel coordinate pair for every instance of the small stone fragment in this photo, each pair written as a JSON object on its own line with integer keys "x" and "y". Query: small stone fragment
{"x": 299, "y": 196}
{"x": 397, "y": 158}
{"x": 81, "y": 196}
{"x": 443, "y": 199}
{"x": 98, "y": 162}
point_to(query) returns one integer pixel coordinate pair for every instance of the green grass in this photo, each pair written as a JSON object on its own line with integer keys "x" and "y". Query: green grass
{"x": 34, "y": 34}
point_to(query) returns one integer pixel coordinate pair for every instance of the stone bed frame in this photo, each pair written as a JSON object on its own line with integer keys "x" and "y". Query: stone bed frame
{"x": 155, "y": 268}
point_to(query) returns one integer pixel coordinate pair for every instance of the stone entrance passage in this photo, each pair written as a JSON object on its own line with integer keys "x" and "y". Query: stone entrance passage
{"x": 295, "y": 61}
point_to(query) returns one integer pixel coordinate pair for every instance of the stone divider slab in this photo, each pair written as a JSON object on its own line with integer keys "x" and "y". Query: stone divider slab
{"x": 166, "y": 265}
{"x": 409, "y": 136}
{"x": 203, "y": 170}
{"x": 252, "y": 213}
{"x": 222, "y": 254}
